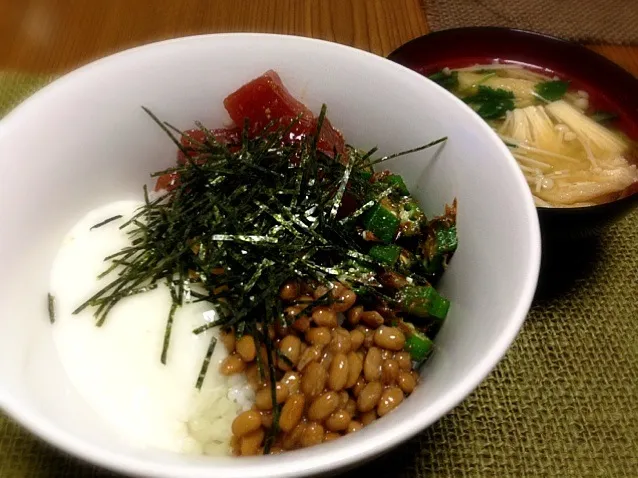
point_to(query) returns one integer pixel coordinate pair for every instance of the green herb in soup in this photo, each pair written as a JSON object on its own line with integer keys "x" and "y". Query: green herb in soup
{"x": 569, "y": 154}
{"x": 551, "y": 90}
{"x": 491, "y": 103}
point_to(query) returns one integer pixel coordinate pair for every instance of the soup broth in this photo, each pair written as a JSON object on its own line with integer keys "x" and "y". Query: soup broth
{"x": 571, "y": 152}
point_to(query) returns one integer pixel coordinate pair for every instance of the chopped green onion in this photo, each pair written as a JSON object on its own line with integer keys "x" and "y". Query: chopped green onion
{"x": 398, "y": 183}
{"x": 366, "y": 175}
{"x": 386, "y": 254}
{"x": 382, "y": 223}
{"x": 423, "y": 301}
{"x": 433, "y": 266}
{"x": 446, "y": 239}
{"x": 411, "y": 216}
{"x": 418, "y": 345}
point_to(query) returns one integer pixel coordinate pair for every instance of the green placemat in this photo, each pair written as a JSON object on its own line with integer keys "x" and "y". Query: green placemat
{"x": 563, "y": 402}
{"x": 15, "y": 87}
{"x": 595, "y": 21}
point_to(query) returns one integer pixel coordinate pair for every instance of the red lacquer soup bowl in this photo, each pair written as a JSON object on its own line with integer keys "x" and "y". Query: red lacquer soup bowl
{"x": 610, "y": 88}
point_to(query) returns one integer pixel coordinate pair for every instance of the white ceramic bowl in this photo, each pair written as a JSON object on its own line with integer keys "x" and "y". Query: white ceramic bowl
{"x": 84, "y": 141}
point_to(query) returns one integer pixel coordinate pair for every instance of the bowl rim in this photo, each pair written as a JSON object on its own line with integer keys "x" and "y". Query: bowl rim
{"x": 630, "y": 80}
{"x": 432, "y": 36}
{"x": 304, "y": 462}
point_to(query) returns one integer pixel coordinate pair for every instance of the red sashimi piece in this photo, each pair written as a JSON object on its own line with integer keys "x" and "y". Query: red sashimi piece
{"x": 229, "y": 136}
{"x": 260, "y": 101}
{"x": 198, "y": 136}
{"x": 166, "y": 182}
{"x": 226, "y": 136}
{"x": 191, "y": 141}
{"x": 263, "y": 99}
{"x": 330, "y": 139}
{"x": 266, "y": 98}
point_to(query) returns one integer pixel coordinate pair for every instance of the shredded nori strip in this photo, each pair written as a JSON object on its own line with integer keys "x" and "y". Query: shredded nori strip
{"x": 206, "y": 363}
{"x": 168, "y": 330}
{"x": 51, "y": 307}
{"x": 105, "y": 222}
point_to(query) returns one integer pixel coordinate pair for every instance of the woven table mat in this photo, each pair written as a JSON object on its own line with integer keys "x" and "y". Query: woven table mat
{"x": 593, "y": 21}
{"x": 563, "y": 402}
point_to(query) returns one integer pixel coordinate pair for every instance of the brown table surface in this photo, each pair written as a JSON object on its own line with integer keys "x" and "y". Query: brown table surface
{"x": 54, "y": 36}
{"x": 58, "y": 35}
